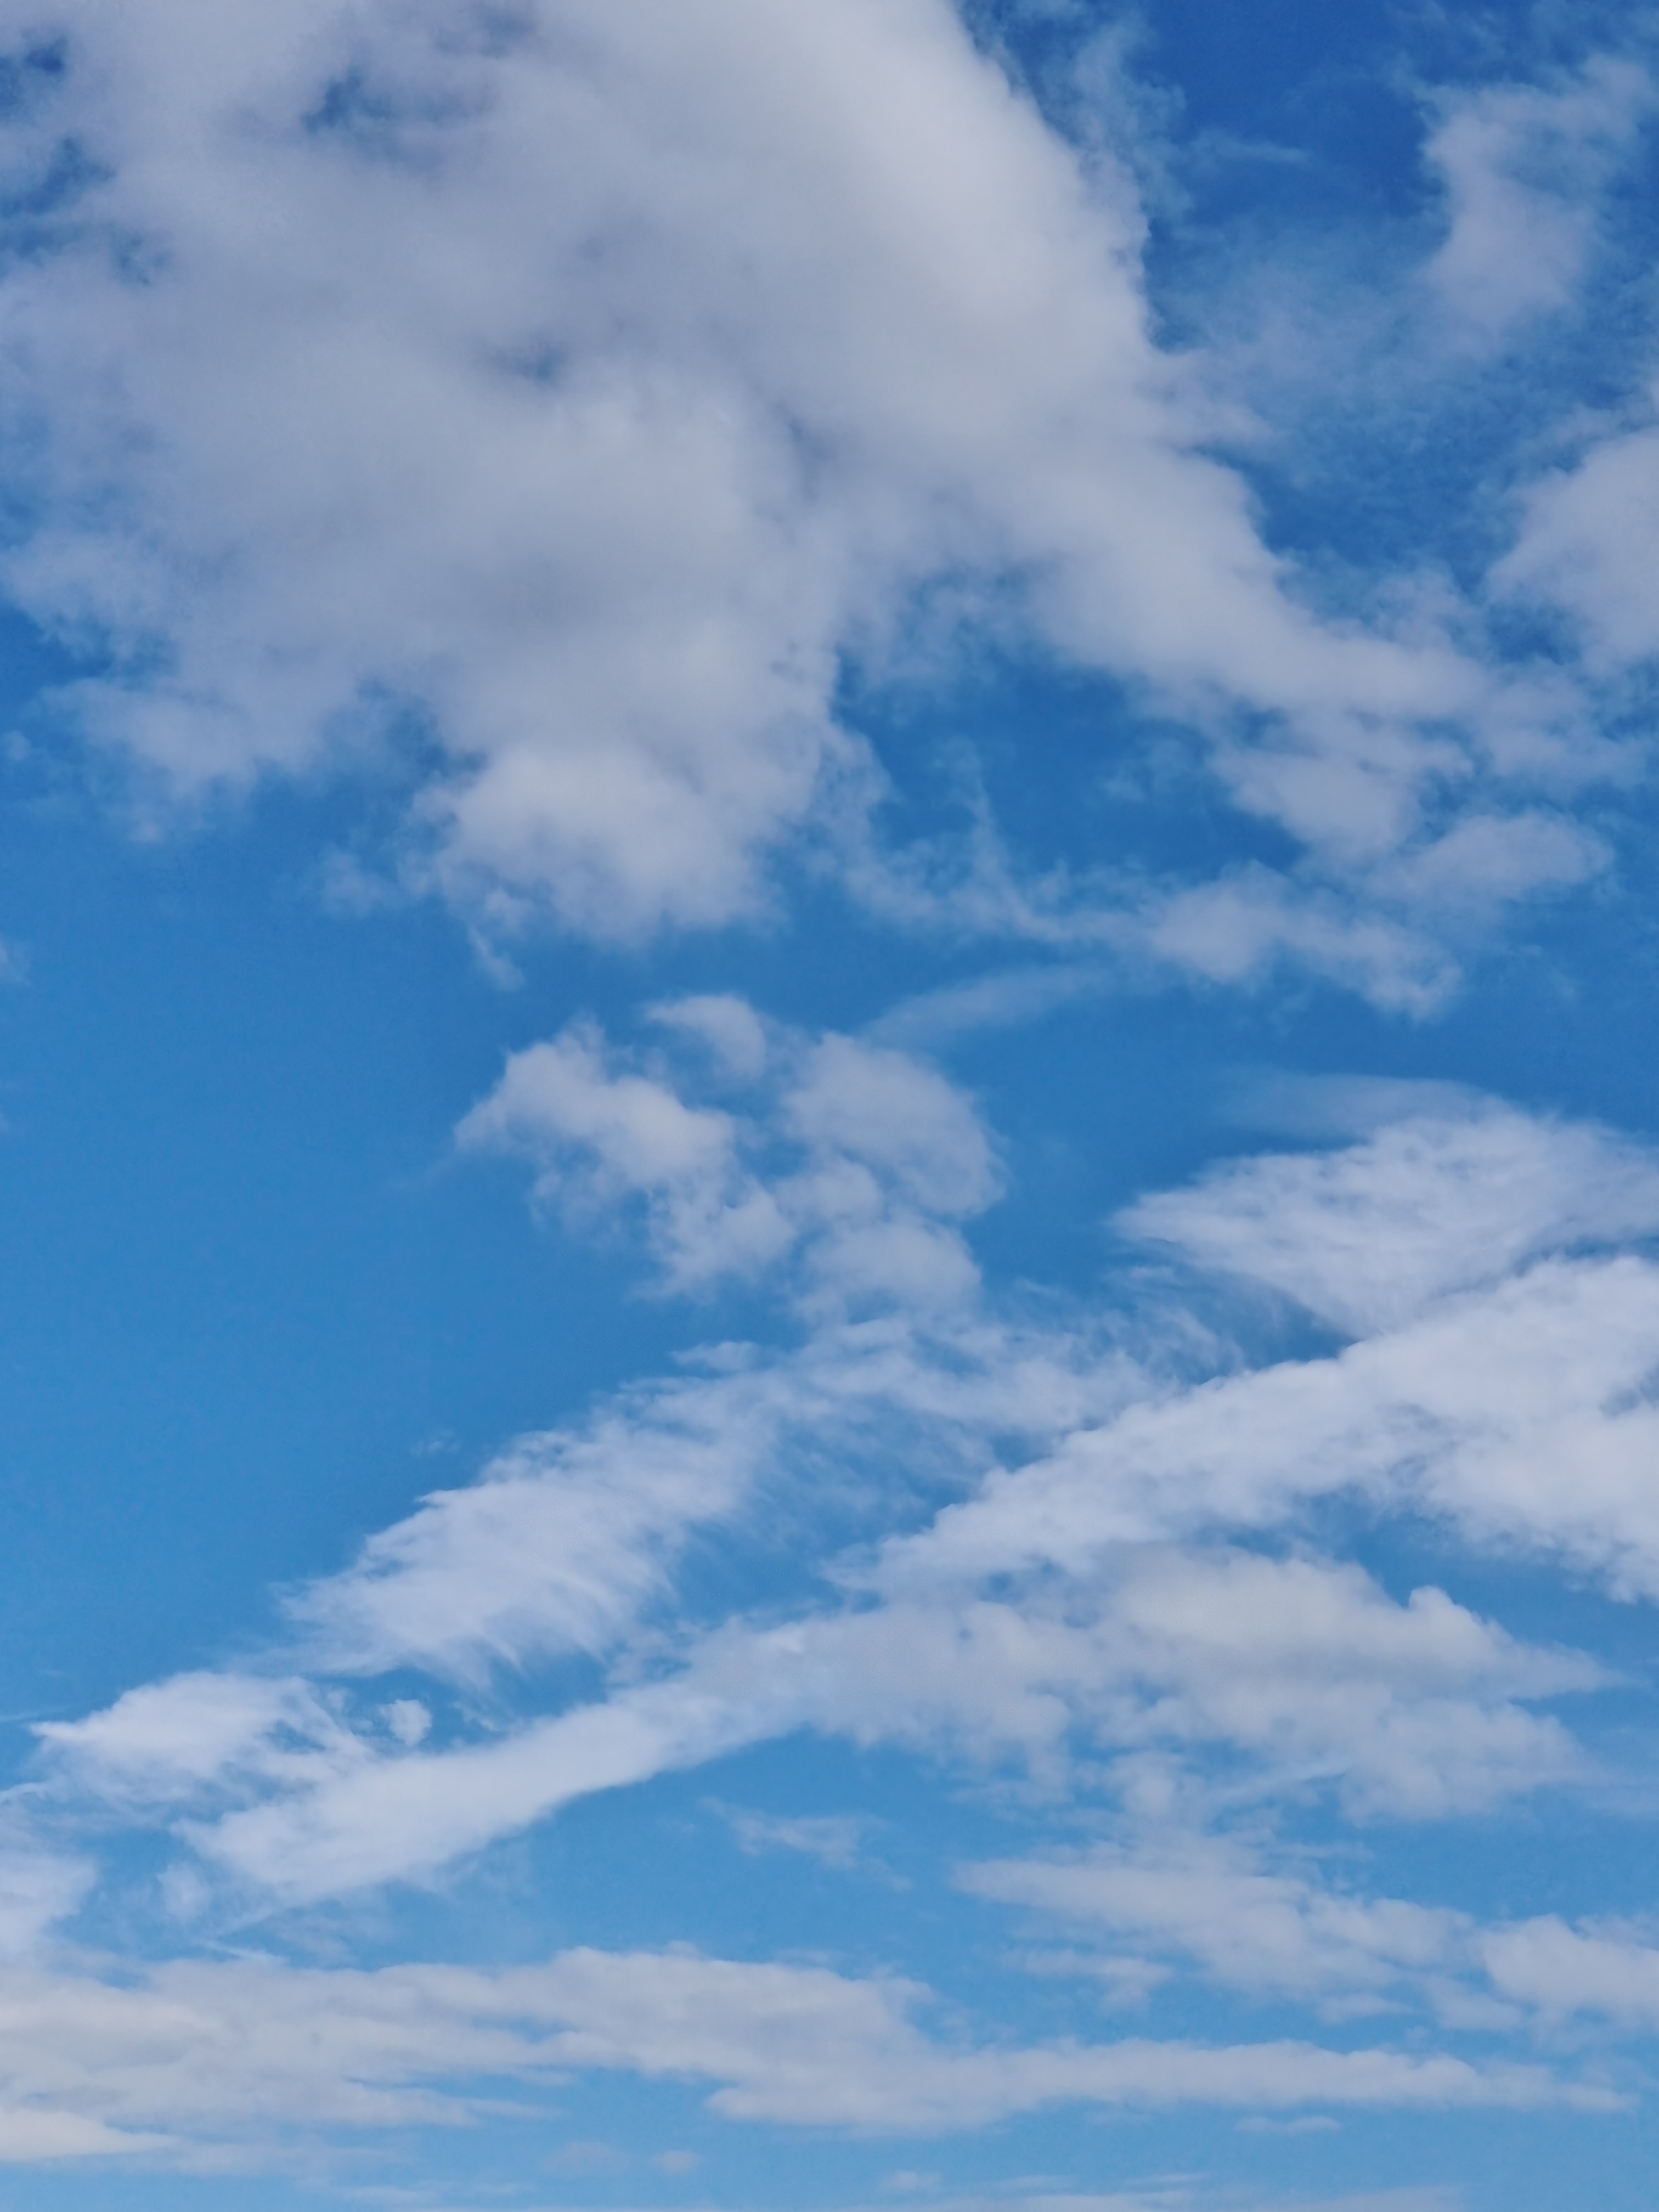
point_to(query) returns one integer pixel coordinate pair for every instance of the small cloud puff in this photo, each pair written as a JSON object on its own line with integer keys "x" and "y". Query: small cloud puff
{"x": 854, "y": 1162}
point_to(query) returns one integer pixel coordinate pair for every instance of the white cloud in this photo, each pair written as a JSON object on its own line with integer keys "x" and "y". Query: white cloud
{"x": 858, "y": 1159}
{"x": 196, "y": 2055}
{"x": 1473, "y": 1413}
{"x": 834, "y": 1838}
{"x": 1431, "y": 2199}
{"x": 1241, "y": 927}
{"x": 169, "y": 1739}
{"x": 642, "y": 1136}
{"x": 405, "y": 1818}
{"x": 1499, "y": 1363}
{"x": 1304, "y": 1669}
{"x": 1560, "y": 1970}
{"x": 1326, "y": 1107}
{"x": 727, "y": 1027}
{"x": 1253, "y": 1929}
{"x": 1092, "y": 1601}
{"x": 567, "y": 1542}
{"x": 1521, "y": 165}
{"x": 1007, "y": 998}
{"x": 31, "y": 2137}
{"x": 566, "y": 1535}
{"x": 37, "y": 1890}
{"x": 1367, "y": 1237}
{"x": 584, "y": 386}
{"x": 1487, "y": 861}
{"x": 1308, "y": 1667}
{"x": 898, "y": 1117}
{"x": 1589, "y": 542}
{"x": 560, "y": 1544}
{"x": 802, "y": 2045}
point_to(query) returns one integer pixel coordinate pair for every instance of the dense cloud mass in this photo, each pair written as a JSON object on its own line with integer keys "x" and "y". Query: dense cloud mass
{"x": 561, "y": 396}
{"x": 935, "y": 733}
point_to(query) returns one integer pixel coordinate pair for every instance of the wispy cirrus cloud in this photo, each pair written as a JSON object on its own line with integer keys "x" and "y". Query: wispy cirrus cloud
{"x": 1136, "y": 1585}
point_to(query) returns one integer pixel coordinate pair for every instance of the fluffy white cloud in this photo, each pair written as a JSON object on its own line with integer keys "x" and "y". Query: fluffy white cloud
{"x": 573, "y": 385}
{"x": 855, "y": 1158}
{"x": 1557, "y": 1969}
{"x": 1520, "y": 164}
{"x": 1249, "y": 921}
{"x": 1589, "y": 542}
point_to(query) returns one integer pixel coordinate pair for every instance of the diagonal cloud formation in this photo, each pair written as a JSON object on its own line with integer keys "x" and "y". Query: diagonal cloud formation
{"x": 1137, "y": 1583}
{"x": 1086, "y": 1570}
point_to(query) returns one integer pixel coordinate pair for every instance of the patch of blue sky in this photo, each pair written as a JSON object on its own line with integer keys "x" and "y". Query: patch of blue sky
{"x": 236, "y": 1112}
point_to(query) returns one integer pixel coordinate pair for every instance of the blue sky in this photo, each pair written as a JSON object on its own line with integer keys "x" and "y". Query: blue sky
{"x": 826, "y": 1113}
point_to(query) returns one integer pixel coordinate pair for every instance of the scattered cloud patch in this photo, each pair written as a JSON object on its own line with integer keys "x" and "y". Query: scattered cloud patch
{"x": 1520, "y": 165}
